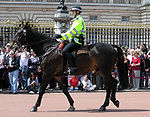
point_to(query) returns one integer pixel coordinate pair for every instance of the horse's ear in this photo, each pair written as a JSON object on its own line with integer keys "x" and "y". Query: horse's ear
{"x": 26, "y": 25}
{"x": 21, "y": 24}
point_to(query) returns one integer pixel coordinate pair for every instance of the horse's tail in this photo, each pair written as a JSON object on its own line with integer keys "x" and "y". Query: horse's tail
{"x": 123, "y": 75}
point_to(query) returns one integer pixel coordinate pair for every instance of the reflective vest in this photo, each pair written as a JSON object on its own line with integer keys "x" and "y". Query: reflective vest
{"x": 77, "y": 28}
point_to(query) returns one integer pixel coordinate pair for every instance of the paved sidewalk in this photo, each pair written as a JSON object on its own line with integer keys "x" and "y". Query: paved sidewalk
{"x": 132, "y": 104}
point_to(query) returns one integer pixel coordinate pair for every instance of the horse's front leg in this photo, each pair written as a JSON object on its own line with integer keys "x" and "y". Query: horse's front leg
{"x": 43, "y": 86}
{"x": 65, "y": 91}
{"x": 113, "y": 93}
{"x": 106, "y": 102}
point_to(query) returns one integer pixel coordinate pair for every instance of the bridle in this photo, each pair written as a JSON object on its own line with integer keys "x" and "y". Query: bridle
{"x": 25, "y": 38}
{"x": 23, "y": 32}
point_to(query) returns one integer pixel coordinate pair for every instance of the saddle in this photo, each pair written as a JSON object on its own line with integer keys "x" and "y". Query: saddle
{"x": 82, "y": 50}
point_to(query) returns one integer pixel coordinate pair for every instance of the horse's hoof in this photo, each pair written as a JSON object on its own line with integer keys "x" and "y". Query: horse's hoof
{"x": 102, "y": 108}
{"x": 116, "y": 103}
{"x": 71, "y": 108}
{"x": 33, "y": 109}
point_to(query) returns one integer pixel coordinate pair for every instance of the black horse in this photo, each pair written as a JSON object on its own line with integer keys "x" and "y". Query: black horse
{"x": 100, "y": 57}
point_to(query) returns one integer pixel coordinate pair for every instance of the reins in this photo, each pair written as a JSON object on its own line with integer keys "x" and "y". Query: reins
{"x": 34, "y": 43}
{"x": 42, "y": 41}
{"x": 47, "y": 53}
{"x": 50, "y": 51}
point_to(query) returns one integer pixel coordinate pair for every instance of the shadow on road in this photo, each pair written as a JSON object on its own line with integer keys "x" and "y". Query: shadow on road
{"x": 108, "y": 110}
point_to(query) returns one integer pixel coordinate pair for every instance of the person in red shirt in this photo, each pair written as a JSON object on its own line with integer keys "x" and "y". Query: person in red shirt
{"x": 73, "y": 83}
{"x": 136, "y": 61}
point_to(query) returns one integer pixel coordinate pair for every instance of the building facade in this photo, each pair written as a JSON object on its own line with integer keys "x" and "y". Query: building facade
{"x": 124, "y": 22}
{"x": 99, "y": 10}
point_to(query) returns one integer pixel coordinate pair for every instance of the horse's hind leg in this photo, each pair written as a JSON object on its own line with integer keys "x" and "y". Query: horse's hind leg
{"x": 106, "y": 102}
{"x": 113, "y": 93}
{"x": 65, "y": 91}
{"x": 42, "y": 91}
{"x": 107, "y": 82}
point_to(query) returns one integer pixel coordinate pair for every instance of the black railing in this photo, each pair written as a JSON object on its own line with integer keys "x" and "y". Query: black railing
{"x": 125, "y": 34}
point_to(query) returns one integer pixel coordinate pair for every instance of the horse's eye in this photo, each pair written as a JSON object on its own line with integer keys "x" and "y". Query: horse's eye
{"x": 19, "y": 31}
{"x": 24, "y": 31}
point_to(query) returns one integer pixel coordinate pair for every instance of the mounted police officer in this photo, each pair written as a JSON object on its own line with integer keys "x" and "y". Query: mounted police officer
{"x": 75, "y": 37}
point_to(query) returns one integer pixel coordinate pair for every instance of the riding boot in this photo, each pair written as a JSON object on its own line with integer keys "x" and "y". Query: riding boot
{"x": 64, "y": 65}
{"x": 71, "y": 63}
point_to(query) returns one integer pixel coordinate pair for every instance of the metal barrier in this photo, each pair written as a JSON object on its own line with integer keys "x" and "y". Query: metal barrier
{"x": 124, "y": 34}
{"x": 8, "y": 29}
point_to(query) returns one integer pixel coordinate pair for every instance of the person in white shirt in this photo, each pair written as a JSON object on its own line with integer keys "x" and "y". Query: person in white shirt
{"x": 1, "y": 71}
{"x": 87, "y": 84}
{"x": 1, "y": 61}
{"x": 5, "y": 53}
{"x": 12, "y": 65}
{"x": 23, "y": 70}
{"x": 130, "y": 55}
{"x": 3, "y": 50}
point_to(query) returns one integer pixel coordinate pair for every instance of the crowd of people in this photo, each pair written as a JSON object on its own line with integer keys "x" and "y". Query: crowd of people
{"x": 138, "y": 64}
{"x": 20, "y": 70}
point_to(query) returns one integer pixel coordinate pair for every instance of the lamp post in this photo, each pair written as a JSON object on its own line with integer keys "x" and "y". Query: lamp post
{"x": 61, "y": 18}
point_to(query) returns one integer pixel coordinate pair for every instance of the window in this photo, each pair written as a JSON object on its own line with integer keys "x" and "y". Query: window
{"x": 94, "y": 1}
{"x": 125, "y": 18}
{"x": 93, "y": 18}
{"x": 127, "y": 1}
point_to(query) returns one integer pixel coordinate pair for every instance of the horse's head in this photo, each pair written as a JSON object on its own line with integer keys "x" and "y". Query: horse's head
{"x": 22, "y": 36}
{"x": 30, "y": 37}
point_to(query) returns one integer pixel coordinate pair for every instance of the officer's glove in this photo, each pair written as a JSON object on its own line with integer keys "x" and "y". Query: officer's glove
{"x": 57, "y": 36}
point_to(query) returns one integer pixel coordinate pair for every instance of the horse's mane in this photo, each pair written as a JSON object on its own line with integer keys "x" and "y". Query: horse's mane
{"x": 40, "y": 36}
{"x": 40, "y": 42}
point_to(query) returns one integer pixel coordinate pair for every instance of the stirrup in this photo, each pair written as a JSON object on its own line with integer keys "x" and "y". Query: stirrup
{"x": 71, "y": 71}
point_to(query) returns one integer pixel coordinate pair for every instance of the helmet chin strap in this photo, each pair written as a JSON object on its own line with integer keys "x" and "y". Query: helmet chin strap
{"x": 75, "y": 14}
